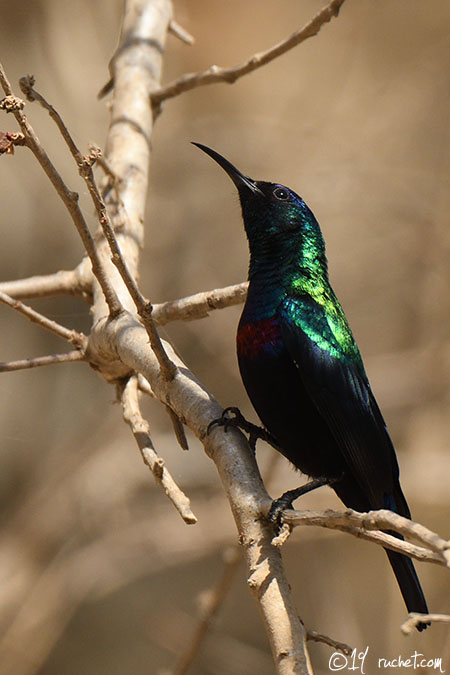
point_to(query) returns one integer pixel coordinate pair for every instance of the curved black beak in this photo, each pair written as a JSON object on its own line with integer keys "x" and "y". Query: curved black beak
{"x": 236, "y": 176}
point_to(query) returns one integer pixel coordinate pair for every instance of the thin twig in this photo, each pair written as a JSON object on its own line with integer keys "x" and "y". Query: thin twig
{"x": 140, "y": 428}
{"x": 143, "y": 306}
{"x": 433, "y": 548}
{"x": 69, "y": 334}
{"x": 414, "y": 619}
{"x": 23, "y": 364}
{"x": 104, "y": 164}
{"x": 26, "y": 85}
{"x": 218, "y": 74}
{"x": 211, "y": 602}
{"x": 178, "y": 428}
{"x": 181, "y": 33}
{"x": 314, "y": 636}
{"x": 13, "y": 104}
{"x": 199, "y": 305}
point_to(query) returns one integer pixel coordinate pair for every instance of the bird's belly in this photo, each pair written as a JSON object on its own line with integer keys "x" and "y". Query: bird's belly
{"x": 276, "y": 391}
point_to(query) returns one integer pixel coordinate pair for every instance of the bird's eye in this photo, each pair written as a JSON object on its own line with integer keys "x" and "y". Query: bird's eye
{"x": 281, "y": 194}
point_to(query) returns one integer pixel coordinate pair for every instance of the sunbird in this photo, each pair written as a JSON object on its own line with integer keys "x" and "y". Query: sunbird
{"x": 302, "y": 368}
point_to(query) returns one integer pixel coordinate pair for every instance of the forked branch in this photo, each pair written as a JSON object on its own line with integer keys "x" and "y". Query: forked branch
{"x": 432, "y": 547}
{"x": 216, "y": 74}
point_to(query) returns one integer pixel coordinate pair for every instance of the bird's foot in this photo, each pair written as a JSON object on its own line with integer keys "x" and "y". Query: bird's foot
{"x": 288, "y": 498}
{"x": 232, "y": 418}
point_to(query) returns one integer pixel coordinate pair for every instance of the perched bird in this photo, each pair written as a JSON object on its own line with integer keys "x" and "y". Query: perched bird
{"x": 301, "y": 366}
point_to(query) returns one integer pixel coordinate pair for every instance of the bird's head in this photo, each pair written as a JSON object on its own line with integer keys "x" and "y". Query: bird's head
{"x": 269, "y": 210}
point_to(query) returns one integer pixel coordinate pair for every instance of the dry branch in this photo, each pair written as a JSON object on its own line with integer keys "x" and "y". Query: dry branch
{"x": 433, "y": 548}
{"x": 211, "y": 601}
{"x": 216, "y": 74}
{"x": 181, "y": 33}
{"x": 23, "y": 364}
{"x": 414, "y": 619}
{"x": 199, "y": 305}
{"x": 69, "y": 334}
{"x": 70, "y": 282}
{"x": 314, "y": 636}
{"x": 141, "y": 431}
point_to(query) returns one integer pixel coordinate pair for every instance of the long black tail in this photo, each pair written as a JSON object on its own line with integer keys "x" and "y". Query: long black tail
{"x": 409, "y": 584}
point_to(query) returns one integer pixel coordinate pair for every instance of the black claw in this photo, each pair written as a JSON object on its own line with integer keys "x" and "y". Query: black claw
{"x": 288, "y": 498}
{"x": 225, "y": 421}
{"x": 279, "y": 505}
{"x": 238, "y": 421}
{"x": 212, "y": 424}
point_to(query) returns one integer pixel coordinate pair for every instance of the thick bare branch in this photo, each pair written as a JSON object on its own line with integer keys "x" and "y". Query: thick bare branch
{"x": 216, "y": 74}
{"x": 136, "y": 72}
{"x": 38, "y": 361}
{"x": 141, "y": 431}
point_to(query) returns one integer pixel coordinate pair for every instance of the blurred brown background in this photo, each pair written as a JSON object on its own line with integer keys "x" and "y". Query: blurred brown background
{"x": 98, "y": 573}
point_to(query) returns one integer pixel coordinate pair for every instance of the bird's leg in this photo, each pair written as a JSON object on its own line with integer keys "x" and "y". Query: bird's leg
{"x": 238, "y": 421}
{"x": 288, "y": 498}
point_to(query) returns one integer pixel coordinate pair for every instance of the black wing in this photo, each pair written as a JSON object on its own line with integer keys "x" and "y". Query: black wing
{"x": 337, "y": 385}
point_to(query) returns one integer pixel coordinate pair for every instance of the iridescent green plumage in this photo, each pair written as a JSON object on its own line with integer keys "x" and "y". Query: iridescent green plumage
{"x": 324, "y": 321}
